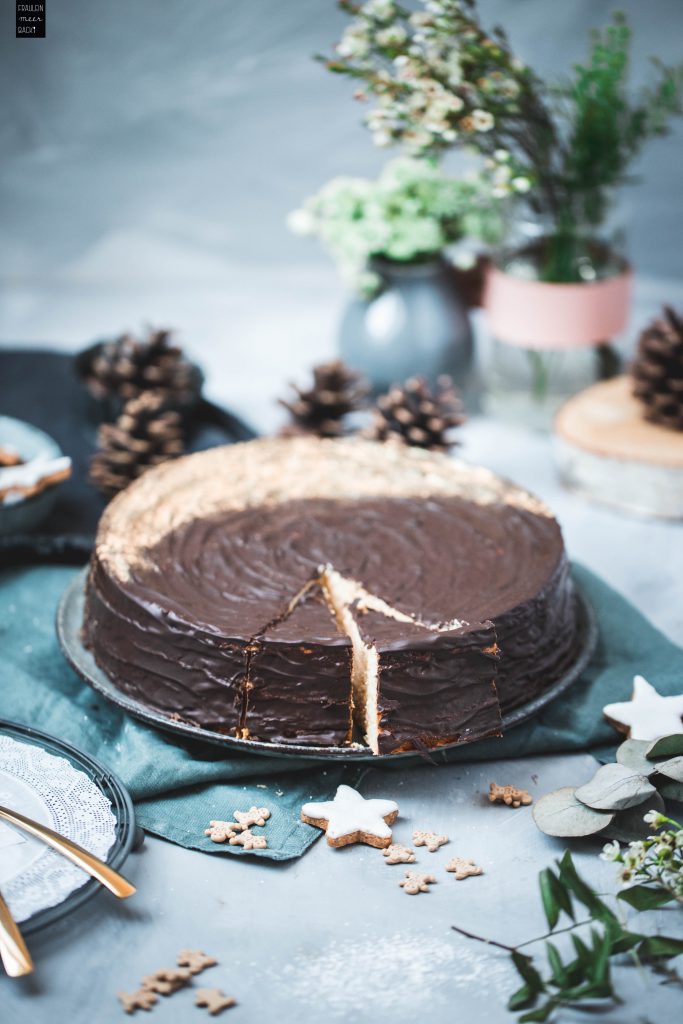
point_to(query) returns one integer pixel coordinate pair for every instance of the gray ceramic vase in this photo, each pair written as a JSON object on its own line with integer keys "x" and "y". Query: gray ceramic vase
{"x": 416, "y": 325}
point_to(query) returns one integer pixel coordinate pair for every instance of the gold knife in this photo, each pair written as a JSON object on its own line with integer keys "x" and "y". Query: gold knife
{"x": 72, "y": 851}
{"x": 13, "y": 952}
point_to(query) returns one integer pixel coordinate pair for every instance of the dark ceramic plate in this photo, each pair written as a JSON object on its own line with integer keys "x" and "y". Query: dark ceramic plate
{"x": 70, "y": 621}
{"x": 128, "y": 835}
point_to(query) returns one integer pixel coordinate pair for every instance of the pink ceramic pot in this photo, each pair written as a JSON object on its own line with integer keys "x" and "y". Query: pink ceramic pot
{"x": 538, "y": 315}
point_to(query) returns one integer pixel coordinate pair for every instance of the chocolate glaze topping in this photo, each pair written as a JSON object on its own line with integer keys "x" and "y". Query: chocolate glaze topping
{"x": 202, "y": 620}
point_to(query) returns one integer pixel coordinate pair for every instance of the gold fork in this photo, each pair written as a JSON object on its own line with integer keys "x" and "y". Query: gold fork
{"x": 13, "y": 952}
{"x": 92, "y": 865}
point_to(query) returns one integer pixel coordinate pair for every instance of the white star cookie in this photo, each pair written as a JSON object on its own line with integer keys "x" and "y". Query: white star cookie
{"x": 349, "y": 818}
{"x": 647, "y": 715}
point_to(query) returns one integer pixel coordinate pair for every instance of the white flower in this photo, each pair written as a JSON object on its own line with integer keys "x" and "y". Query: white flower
{"x": 301, "y": 222}
{"x": 354, "y": 43}
{"x": 380, "y": 10}
{"x": 381, "y": 137}
{"x": 635, "y": 854}
{"x": 611, "y": 851}
{"x": 654, "y": 818}
{"x": 501, "y": 156}
{"x": 393, "y": 36}
{"x": 482, "y": 120}
{"x": 521, "y": 184}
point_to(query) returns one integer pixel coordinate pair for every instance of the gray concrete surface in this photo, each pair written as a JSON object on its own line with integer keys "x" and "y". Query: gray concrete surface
{"x": 333, "y": 936}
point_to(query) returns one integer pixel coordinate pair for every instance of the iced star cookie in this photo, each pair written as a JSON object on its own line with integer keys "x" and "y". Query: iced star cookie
{"x": 647, "y": 715}
{"x": 350, "y": 818}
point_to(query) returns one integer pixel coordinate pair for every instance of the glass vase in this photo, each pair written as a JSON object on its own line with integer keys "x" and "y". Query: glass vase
{"x": 554, "y": 301}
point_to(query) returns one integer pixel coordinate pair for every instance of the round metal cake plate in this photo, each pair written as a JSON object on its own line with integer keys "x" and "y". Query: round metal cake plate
{"x": 69, "y": 631}
{"x": 128, "y": 835}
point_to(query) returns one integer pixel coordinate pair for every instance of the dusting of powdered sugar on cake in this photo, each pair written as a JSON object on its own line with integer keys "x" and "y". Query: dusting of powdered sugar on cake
{"x": 410, "y": 972}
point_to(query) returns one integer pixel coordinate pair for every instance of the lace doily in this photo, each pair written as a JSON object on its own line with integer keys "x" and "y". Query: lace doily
{"x": 52, "y": 791}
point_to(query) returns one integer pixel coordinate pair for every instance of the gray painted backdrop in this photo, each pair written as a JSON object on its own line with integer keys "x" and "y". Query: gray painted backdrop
{"x": 176, "y": 134}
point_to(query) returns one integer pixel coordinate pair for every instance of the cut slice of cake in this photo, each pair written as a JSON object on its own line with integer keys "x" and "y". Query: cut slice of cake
{"x": 298, "y": 685}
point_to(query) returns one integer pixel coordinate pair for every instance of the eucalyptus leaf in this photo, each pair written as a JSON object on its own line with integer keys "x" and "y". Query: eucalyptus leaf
{"x": 614, "y": 787}
{"x": 673, "y": 768}
{"x": 666, "y": 746}
{"x": 632, "y": 754}
{"x": 672, "y": 791}
{"x": 560, "y": 814}
{"x": 629, "y": 825}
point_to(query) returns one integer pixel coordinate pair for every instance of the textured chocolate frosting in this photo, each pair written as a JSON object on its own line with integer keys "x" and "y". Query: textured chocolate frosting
{"x": 205, "y": 598}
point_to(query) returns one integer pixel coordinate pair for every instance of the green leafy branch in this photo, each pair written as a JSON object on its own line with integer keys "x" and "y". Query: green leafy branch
{"x": 584, "y": 978}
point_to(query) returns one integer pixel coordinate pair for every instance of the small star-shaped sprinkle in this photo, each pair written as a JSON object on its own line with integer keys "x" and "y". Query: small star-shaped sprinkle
{"x": 647, "y": 715}
{"x": 415, "y": 883}
{"x": 398, "y": 854}
{"x": 430, "y": 840}
{"x": 463, "y": 868}
{"x": 350, "y": 818}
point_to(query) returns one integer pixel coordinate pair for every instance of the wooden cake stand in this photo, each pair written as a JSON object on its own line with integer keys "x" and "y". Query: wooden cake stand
{"x": 607, "y": 451}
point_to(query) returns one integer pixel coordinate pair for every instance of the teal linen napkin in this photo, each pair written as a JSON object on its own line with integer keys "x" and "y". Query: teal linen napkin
{"x": 178, "y": 786}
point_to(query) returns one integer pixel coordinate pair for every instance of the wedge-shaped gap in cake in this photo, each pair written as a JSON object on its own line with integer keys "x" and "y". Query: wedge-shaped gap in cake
{"x": 415, "y": 684}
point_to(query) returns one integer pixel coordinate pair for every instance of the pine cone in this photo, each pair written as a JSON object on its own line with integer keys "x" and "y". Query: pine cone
{"x": 144, "y": 435}
{"x": 125, "y": 368}
{"x": 657, "y": 370}
{"x": 321, "y": 409}
{"x": 417, "y": 415}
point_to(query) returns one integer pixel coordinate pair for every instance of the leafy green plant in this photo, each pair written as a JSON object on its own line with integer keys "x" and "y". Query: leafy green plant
{"x": 584, "y": 978}
{"x": 438, "y": 79}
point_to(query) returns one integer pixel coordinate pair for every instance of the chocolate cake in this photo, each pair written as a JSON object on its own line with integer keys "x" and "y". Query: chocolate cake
{"x": 318, "y": 592}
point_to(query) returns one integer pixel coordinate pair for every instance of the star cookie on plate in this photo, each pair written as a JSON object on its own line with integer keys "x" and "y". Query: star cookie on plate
{"x": 350, "y": 818}
{"x": 647, "y": 715}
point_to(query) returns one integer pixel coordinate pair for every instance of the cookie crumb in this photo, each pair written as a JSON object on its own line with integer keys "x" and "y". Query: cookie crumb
{"x": 249, "y": 841}
{"x": 214, "y": 999}
{"x": 220, "y": 831}
{"x": 167, "y": 980}
{"x": 463, "y": 867}
{"x": 415, "y": 883}
{"x": 254, "y": 816}
{"x": 509, "y": 795}
{"x": 143, "y": 999}
{"x": 430, "y": 840}
{"x": 196, "y": 960}
{"x": 398, "y": 854}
